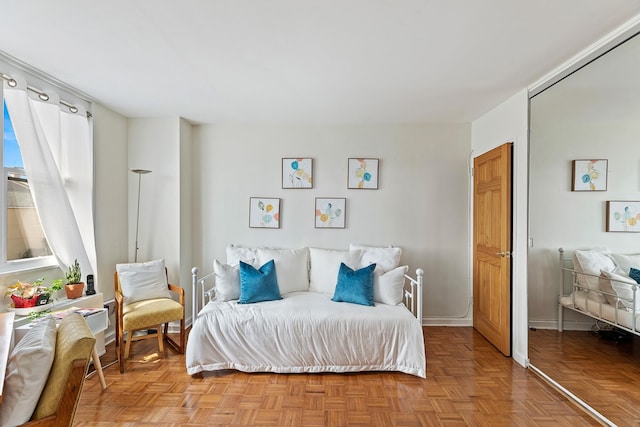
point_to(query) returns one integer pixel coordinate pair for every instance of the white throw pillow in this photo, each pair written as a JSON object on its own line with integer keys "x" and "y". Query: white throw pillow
{"x": 227, "y": 284}
{"x": 618, "y": 283}
{"x": 627, "y": 262}
{"x": 292, "y": 267}
{"x": 235, "y": 254}
{"x": 592, "y": 262}
{"x": 324, "y": 267}
{"x": 143, "y": 280}
{"x": 27, "y": 372}
{"x": 386, "y": 258}
{"x": 388, "y": 288}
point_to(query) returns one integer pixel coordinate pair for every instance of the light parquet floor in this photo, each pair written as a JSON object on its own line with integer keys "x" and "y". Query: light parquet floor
{"x": 603, "y": 372}
{"x": 468, "y": 384}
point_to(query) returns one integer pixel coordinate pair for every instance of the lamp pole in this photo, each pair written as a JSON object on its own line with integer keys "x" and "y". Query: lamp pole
{"x": 140, "y": 172}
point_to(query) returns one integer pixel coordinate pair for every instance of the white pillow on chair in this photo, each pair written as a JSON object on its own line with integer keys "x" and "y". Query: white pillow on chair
{"x": 27, "y": 372}
{"x": 142, "y": 281}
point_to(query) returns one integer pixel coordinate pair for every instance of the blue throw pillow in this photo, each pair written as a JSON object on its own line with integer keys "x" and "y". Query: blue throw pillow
{"x": 634, "y": 273}
{"x": 258, "y": 285}
{"x": 355, "y": 286}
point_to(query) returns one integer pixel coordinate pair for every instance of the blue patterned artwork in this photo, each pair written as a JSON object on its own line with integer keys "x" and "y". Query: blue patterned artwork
{"x": 363, "y": 174}
{"x": 297, "y": 173}
{"x": 589, "y": 175}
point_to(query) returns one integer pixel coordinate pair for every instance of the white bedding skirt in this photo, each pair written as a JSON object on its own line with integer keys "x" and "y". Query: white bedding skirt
{"x": 305, "y": 332}
{"x": 605, "y": 311}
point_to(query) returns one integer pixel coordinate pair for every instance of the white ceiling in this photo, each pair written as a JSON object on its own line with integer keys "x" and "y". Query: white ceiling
{"x": 304, "y": 61}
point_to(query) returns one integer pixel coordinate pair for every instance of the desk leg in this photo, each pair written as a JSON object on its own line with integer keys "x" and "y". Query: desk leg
{"x": 98, "y": 366}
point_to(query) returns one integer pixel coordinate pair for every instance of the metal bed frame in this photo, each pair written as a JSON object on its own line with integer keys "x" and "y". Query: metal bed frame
{"x": 568, "y": 273}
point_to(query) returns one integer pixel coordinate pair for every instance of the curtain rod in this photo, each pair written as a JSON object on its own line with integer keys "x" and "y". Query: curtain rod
{"x": 42, "y": 95}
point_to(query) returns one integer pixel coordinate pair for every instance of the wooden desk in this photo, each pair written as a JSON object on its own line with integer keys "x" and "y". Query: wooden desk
{"x": 6, "y": 337}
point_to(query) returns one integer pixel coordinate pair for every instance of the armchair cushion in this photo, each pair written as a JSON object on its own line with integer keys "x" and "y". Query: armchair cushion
{"x": 27, "y": 370}
{"x": 143, "y": 281}
{"x": 74, "y": 341}
{"x": 151, "y": 312}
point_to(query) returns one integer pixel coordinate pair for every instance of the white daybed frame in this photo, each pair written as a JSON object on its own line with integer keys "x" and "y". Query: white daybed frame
{"x": 578, "y": 300}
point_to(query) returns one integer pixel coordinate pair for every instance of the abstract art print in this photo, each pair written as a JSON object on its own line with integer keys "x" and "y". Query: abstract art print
{"x": 264, "y": 212}
{"x": 623, "y": 216}
{"x": 589, "y": 175}
{"x": 363, "y": 174}
{"x": 330, "y": 212}
{"x": 297, "y": 172}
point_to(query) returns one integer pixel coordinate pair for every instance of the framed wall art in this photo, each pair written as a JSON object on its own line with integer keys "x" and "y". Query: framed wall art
{"x": 330, "y": 212}
{"x": 623, "y": 216}
{"x": 362, "y": 174}
{"x": 297, "y": 172}
{"x": 589, "y": 175}
{"x": 264, "y": 212}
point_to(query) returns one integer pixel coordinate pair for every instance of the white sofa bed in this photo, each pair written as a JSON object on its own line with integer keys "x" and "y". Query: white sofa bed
{"x": 333, "y": 312}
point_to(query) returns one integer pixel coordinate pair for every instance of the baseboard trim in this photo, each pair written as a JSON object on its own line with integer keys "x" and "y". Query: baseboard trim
{"x": 446, "y": 321}
{"x": 566, "y": 326}
{"x": 572, "y": 397}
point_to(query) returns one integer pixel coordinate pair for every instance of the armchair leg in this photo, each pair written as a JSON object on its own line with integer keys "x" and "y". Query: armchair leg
{"x": 179, "y": 347}
{"x": 120, "y": 349}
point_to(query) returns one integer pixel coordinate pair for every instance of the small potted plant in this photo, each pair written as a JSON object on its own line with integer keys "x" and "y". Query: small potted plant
{"x": 74, "y": 285}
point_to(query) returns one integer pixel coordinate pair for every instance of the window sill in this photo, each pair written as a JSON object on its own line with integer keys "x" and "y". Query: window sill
{"x": 27, "y": 265}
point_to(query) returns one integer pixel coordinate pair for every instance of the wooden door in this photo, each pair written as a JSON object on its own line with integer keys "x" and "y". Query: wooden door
{"x": 492, "y": 247}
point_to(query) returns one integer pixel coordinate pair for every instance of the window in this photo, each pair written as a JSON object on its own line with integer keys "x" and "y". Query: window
{"x": 24, "y": 245}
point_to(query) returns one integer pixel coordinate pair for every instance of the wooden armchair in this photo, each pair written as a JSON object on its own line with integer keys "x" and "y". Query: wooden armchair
{"x": 145, "y": 315}
{"x": 58, "y": 401}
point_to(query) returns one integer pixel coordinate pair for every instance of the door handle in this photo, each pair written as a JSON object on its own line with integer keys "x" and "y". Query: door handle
{"x": 504, "y": 254}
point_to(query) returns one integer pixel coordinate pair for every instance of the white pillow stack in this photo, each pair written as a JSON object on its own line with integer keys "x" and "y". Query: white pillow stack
{"x": 314, "y": 269}
{"x": 618, "y": 284}
{"x": 592, "y": 262}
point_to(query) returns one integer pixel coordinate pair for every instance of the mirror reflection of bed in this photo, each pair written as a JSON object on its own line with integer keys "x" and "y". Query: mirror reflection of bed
{"x": 592, "y": 114}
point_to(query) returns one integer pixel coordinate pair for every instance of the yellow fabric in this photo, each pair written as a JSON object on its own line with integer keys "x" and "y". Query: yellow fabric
{"x": 74, "y": 341}
{"x": 143, "y": 314}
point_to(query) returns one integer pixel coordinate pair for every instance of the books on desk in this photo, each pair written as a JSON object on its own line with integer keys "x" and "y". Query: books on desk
{"x": 85, "y": 312}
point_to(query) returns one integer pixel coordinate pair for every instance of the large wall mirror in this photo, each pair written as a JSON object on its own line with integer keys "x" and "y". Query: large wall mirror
{"x": 593, "y": 114}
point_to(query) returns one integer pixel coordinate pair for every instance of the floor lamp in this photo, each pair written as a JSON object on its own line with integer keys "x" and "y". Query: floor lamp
{"x": 140, "y": 172}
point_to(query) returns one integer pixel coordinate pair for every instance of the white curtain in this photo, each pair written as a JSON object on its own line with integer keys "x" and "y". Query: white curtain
{"x": 57, "y": 152}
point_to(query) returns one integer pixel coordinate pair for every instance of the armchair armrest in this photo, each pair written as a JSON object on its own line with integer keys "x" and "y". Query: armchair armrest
{"x": 178, "y": 290}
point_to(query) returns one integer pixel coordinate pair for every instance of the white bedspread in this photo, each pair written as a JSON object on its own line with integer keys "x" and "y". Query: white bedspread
{"x": 305, "y": 332}
{"x": 605, "y": 311}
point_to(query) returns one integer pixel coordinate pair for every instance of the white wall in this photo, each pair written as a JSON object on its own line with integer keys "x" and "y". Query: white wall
{"x": 421, "y": 204}
{"x": 162, "y": 146}
{"x": 110, "y": 215}
{"x": 508, "y": 122}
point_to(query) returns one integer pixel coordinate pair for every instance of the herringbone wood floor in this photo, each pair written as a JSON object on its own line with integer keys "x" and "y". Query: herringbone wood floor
{"x": 468, "y": 384}
{"x": 600, "y": 369}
